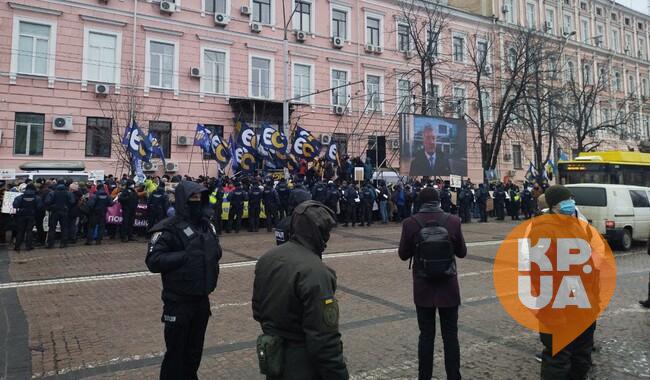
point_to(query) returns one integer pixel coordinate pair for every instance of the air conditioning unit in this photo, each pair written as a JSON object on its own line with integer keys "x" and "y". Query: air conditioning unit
{"x": 167, "y": 6}
{"x": 394, "y": 144}
{"x": 183, "y": 140}
{"x": 325, "y": 139}
{"x": 507, "y": 157}
{"x": 512, "y": 173}
{"x": 337, "y": 42}
{"x": 62, "y": 123}
{"x": 220, "y": 19}
{"x": 171, "y": 167}
{"x": 245, "y": 10}
{"x": 409, "y": 54}
{"x": 195, "y": 72}
{"x": 369, "y": 48}
{"x": 256, "y": 27}
{"x": 505, "y": 8}
{"x": 379, "y": 49}
{"x": 339, "y": 110}
{"x": 102, "y": 89}
{"x": 301, "y": 36}
{"x": 149, "y": 166}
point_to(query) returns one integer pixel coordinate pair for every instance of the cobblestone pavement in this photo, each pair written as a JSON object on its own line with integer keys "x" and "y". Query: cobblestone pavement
{"x": 94, "y": 312}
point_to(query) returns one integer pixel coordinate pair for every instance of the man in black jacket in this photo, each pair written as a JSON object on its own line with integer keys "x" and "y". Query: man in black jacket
{"x": 58, "y": 202}
{"x": 293, "y": 298}
{"x": 157, "y": 205}
{"x": 185, "y": 250}
{"x": 97, "y": 207}
{"x": 27, "y": 205}
{"x": 128, "y": 199}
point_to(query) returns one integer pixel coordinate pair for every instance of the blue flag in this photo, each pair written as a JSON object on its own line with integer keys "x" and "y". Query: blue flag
{"x": 156, "y": 148}
{"x": 220, "y": 150}
{"x": 332, "y": 153}
{"x": 305, "y": 145}
{"x": 531, "y": 174}
{"x": 203, "y": 138}
{"x": 137, "y": 143}
{"x": 272, "y": 140}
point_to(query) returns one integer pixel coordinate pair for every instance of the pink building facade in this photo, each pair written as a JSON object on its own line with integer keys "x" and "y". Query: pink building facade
{"x": 84, "y": 64}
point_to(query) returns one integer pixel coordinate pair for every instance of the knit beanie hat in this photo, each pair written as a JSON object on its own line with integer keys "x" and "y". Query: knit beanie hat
{"x": 556, "y": 194}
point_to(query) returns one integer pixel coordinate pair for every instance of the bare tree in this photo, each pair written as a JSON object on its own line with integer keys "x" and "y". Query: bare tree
{"x": 583, "y": 95}
{"x": 425, "y": 22}
{"x": 498, "y": 86}
{"x": 121, "y": 108}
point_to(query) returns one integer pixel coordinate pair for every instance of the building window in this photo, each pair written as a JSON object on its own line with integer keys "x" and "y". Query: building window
{"x": 628, "y": 44}
{"x": 214, "y": 72}
{"x": 28, "y": 138}
{"x": 644, "y": 87}
{"x": 432, "y": 41}
{"x": 98, "y": 136}
{"x": 404, "y": 95}
{"x": 459, "y": 102}
{"x": 34, "y": 48}
{"x": 512, "y": 59}
{"x": 530, "y": 15}
{"x": 614, "y": 42}
{"x": 262, "y": 11}
{"x": 163, "y": 130}
{"x": 261, "y": 77}
{"x": 215, "y": 129}
{"x": 570, "y": 72}
{"x": 459, "y": 48}
{"x": 516, "y": 156}
{"x": 373, "y": 92}
{"x": 403, "y": 38}
{"x": 584, "y": 30}
{"x": 339, "y": 23}
{"x": 599, "y": 11}
{"x": 161, "y": 65}
{"x": 301, "y": 83}
{"x": 586, "y": 73}
{"x": 341, "y": 141}
{"x": 487, "y": 106}
{"x": 614, "y": 16}
{"x": 549, "y": 26}
{"x": 583, "y": 6}
{"x": 482, "y": 50}
{"x": 509, "y": 5}
{"x": 373, "y": 27}
{"x": 216, "y": 6}
{"x": 600, "y": 35}
{"x": 433, "y": 99}
{"x": 631, "y": 83}
{"x": 627, "y": 21}
{"x": 618, "y": 86}
{"x": 641, "y": 52}
{"x": 302, "y": 16}
{"x": 339, "y": 87}
{"x": 101, "y": 58}
{"x": 567, "y": 28}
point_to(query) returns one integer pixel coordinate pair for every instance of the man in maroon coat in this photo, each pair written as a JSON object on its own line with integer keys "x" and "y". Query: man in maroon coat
{"x": 440, "y": 294}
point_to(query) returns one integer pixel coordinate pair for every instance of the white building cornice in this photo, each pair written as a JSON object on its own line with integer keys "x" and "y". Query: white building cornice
{"x": 32, "y": 8}
{"x": 260, "y": 47}
{"x": 100, "y": 20}
{"x": 213, "y": 40}
{"x": 162, "y": 31}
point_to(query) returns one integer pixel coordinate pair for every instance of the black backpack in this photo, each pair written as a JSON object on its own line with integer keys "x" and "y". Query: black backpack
{"x": 434, "y": 252}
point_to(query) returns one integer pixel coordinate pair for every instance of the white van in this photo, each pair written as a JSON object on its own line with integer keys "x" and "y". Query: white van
{"x": 619, "y": 212}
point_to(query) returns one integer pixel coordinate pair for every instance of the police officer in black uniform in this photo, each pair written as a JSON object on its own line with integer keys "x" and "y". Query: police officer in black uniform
{"x": 58, "y": 202}
{"x": 499, "y": 202}
{"x": 157, "y": 205}
{"x": 445, "y": 199}
{"x": 254, "y": 206}
{"x": 129, "y": 201}
{"x": 27, "y": 205}
{"x": 294, "y": 299}
{"x": 283, "y": 193}
{"x": 185, "y": 250}
{"x": 298, "y": 194}
{"x": 333, "y": 196}
{"x": 351, "y": 199}
{"x": 482, "y": 196}
{"x": 271, "y": 204}
{"x": 319, "y": 192}
{"x": 367, "y": 197}
{"x": 97, "y": 206}
{"x": 237, "y": 197}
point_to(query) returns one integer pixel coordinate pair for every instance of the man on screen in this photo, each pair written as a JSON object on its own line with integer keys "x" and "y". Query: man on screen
{"x": 428, "y": 161}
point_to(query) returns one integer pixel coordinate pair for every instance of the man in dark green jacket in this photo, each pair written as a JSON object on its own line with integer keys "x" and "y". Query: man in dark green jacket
{"x": 293, "y": 298}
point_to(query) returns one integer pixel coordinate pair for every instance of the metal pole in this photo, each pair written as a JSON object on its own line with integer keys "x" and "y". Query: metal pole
{"x": 285, "y": 69}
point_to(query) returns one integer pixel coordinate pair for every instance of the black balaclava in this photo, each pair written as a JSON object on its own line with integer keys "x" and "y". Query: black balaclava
{"x": 311, "y": 223}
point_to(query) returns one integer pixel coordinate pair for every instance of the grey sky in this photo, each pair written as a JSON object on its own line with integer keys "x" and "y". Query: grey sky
{"x": 639, "y": 5}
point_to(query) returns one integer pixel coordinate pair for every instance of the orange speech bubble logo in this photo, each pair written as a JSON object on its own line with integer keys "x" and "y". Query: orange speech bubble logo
{"x": 555, "y": 274}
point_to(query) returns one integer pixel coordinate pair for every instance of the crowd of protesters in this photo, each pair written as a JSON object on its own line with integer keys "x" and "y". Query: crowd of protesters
{"x": 68, "y": 211}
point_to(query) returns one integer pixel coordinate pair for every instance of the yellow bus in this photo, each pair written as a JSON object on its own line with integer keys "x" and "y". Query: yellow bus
{"x": 615, "y": 167}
